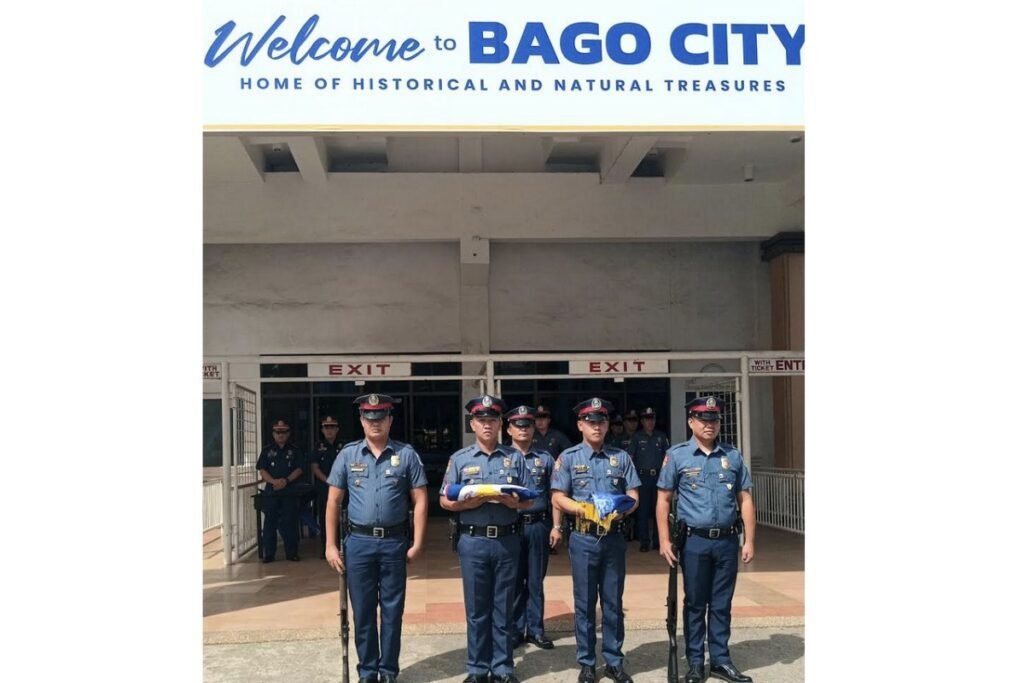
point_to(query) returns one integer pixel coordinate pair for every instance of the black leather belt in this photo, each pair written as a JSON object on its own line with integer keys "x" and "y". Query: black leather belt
{"x": 379, "y": 531}
{"x": 653, "y": 472}
{"x": 489, "y": 531}
{"x": 531, "y": 517}
{"x": 713, "y": 533}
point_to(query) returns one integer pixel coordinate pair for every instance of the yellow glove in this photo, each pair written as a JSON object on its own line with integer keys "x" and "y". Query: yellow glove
{"x": 588, "y": 511}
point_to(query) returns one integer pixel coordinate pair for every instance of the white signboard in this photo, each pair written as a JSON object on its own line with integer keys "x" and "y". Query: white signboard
{"x": 522, "y": 65}
{"x": 614, "y": 368}
{"x": 355, "y": 371}
{"x": 776, "y": 366}
{"x": 211, "y": 371}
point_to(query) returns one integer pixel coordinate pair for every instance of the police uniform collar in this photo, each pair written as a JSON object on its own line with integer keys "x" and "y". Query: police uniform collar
{"x": 589, "y": 452}
{"x": 365, "y": 447}
{"x": 499, "y": 449}
{"x": 694, "y": 446}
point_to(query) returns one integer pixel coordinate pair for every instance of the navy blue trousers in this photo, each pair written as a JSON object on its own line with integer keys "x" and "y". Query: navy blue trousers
{"x": 709, "y": 579}
{"x": 376, "y": 576}
{"x": 533, "y": 567}
{"x": 489, "y": 568}
{"x": 645, "y": 511}
{"x": 280, "y": 511}
{"x": 598, "y": 568}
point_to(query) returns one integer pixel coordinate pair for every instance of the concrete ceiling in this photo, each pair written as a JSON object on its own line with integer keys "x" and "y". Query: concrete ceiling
{"x": 688, "y": 158}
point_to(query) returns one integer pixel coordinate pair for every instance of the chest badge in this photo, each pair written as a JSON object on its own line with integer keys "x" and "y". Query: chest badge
{"x": 729, "y": 486}
{"x": 507, "y": 462}
{"x": 614, "y": 461}
{"x": 536, "y": 462}
{"x": 580, "y": 469}
{"x": 725, "y": 463}
{"x": 472, "y": 469}
{"x": 509, "y": 479}
{"x": 396, "y": 461}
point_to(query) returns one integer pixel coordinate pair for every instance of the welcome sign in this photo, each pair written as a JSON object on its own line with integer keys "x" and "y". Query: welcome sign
{"x": 524, "y": 65}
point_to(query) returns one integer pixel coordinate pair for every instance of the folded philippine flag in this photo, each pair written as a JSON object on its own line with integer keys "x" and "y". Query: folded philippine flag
{"x": 605, "y": 508}
{"x": 454, "y": 492}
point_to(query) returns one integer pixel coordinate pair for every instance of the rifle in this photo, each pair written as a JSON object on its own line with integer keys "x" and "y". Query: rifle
{"x": 343, "y": 600}
{"x": 672, "y": 603}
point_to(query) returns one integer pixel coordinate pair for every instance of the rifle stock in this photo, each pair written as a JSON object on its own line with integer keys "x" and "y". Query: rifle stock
{"x": 343, "y": 600}
{"x": 672, "y": 603}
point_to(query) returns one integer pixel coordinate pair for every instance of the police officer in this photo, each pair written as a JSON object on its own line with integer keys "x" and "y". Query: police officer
{"x": 598, "y": 559}
{"x": 616, "y": 434}
{"x": 381, "y": 476}
{"x": 489, "y": 542}
{"x": 631, "y": 421}
{"x": 547, "y": 439}
{"x": 647, "y": 448}
{"x": 280, "y": 466}
{"x": 712, "y": 485}
{"x": 539, "y": 533}
{"x": 322, "y": 460}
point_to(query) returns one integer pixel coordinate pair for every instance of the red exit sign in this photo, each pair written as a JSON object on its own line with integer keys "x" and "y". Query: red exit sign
{"x": 360, "y": 370}
{"x": 617, "y": 367}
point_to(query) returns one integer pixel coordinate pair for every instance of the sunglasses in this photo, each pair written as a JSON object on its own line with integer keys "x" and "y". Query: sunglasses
{"x": 282, "y": 431}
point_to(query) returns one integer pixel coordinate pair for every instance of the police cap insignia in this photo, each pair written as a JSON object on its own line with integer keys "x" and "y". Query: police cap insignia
{"x": 711, "y": 403}
{"x": 596, "y": 403}
{"x": 373, "y": 400}
{"x": 523, "y": 410}
{"x": 486, "y": 401}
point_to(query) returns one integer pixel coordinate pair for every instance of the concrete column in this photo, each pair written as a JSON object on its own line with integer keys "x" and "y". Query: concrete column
{"x": 474, "y": 310}
{"x": 785, "y": 253}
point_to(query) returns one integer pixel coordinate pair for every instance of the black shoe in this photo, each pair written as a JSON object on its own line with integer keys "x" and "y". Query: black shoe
{"x": 517, "y": 640}
{"x": 388, "y": 678}
{"x": 695, "y": 674}
{"x": 478, "y": 678}
{"x": 367, "y": 679}
{"x": 293, "y": 558}
{"x": 616, "y": 673}
{"x": 728, "y": 672}
{"x": 587, "y": 674}
{"x": 506, "y": 678}
{"x": 644, "y": 546}
{"x": 541, "y": 641}
{"x": 267, "y": 560}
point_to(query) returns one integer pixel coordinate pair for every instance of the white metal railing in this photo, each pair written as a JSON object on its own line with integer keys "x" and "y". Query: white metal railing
{"x": 779, "y": 496}
{"x": 213, "y": 504}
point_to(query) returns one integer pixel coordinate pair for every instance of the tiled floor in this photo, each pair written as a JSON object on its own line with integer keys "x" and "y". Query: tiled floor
{"x": 303, "y": 596}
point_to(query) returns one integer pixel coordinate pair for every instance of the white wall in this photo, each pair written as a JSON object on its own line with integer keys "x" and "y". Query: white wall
{"x": 360, "y": 298}
{"x": 684, "y": 296}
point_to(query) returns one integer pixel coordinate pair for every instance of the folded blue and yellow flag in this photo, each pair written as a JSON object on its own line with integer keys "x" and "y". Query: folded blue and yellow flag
{"x": 605, "y": 508}
{"x": 454, "y": 492}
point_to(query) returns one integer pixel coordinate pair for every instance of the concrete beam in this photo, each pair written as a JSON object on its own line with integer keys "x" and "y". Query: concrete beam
{"x": 310, "y": 156}
{"x": 230, "y": 158}
{"x": 673, "y": 162}
{"x": 621, "y": 155}
{"x": 471, "y": 154}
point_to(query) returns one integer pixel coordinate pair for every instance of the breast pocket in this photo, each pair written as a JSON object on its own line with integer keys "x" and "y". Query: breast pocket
{"x": 394, "y": 481}
{"x": 582, "y": 486}
{"x": 727, "y": 478}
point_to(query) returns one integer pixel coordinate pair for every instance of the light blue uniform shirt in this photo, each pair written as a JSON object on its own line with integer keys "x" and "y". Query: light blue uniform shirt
{"x": 471, "y": 465}
{"x": 707, "y": 486}
{"x": 580, "y": 472}
{"x": 378, "y": 488}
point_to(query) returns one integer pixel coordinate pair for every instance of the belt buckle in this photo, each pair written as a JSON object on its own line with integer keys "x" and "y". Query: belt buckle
{"x": 527, "y": 519}
{"x": 714, "y": 533}
{"x": 601, "y": 531}
{"x": 378, "y": 532}
{"x": 492, "y": 532}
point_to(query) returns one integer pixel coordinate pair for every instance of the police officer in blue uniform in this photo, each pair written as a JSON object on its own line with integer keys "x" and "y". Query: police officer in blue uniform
{"x": 598, "y": 558}
{"x": 489, "y": 542}
{"x": 712, "y": 485}
{"x": 647, "y": 448}
{"x": 616, "y": 433}
{"x": 280, "y": 465}
{"x": 381, "y": 477}
{"x": 541, "y": 532}
{"x": 631, "y": 421}
{"x": 321, "y": 461}
{"x": 545, "y": 437}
